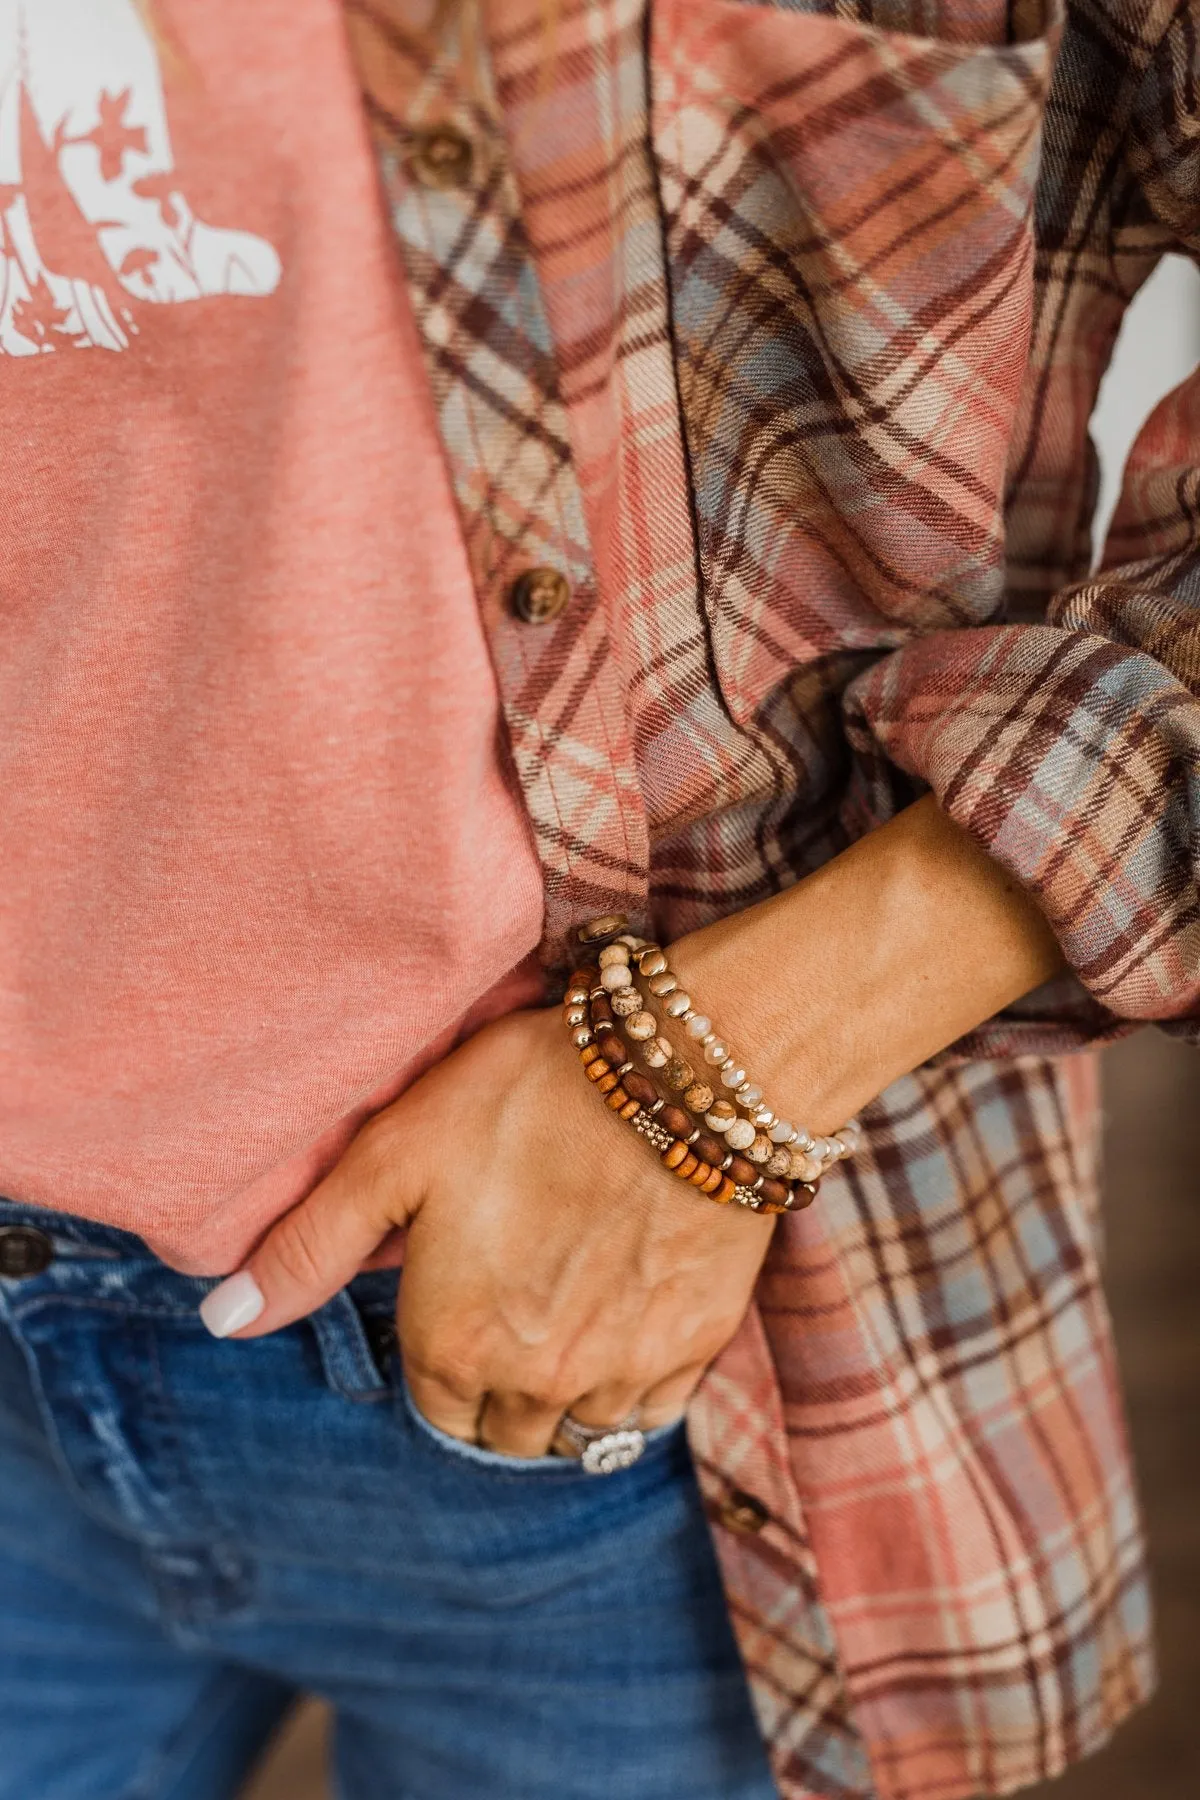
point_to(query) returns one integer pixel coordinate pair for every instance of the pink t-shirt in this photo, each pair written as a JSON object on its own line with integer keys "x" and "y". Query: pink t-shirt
{"x": 260, "y": 859}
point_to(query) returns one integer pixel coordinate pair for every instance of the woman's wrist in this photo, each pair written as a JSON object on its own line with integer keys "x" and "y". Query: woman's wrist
{"x": 868, "y": 967}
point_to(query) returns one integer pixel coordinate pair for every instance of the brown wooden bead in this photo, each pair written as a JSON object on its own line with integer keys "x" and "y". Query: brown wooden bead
{"x": 587, "y": 976}
{"x": 743, "y": 1172}
{"x": 805, "y": 1194}
{"x": 607, "y": 1083}
{"x": 775, "y": 1193}
{"x": 601, "y": 1015}
{"x": 711, "y": 1149}
{"x": 588, "y": 1054}
{"x": 616, "y": 1097}
{"x": 613, "y": 1049}
{"x": 772, "y": 1208}
{"x": 700, "y": 1173}
{"x": 724, "y": 1194}
{"x": 630, "y": 1110}
{"x": 687, "y": 1168}
{"x": 674, "y": 1153}
{"x": 641, "y": 1087}
{"x": 715, "y": 1178}
{"x": 596, "y": 1071}
{"x": 676, "y": 1121}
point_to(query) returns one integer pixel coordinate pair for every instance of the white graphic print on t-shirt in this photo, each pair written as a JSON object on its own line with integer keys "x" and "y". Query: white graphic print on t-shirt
{"x": 93, "y": 219}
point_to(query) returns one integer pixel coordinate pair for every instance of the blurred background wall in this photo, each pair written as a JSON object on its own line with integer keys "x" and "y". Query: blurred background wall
{"x": 1152, "y": 1091}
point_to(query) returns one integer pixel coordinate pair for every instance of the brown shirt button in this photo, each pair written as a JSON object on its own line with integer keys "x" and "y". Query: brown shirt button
{"x": 607, "y": 926}
{"x": 539, "y": 595}
{"x": 441, "y": 157}
{"x": 743, "y": 1513}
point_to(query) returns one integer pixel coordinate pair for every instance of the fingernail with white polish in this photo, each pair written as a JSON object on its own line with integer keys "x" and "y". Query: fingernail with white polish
{"x": 236, "y": 1302}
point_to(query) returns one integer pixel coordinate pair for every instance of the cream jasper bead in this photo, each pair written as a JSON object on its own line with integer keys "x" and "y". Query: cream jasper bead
{"x": 615, "y": 977}
{"x": 720, "y": 1116}
{"x": 779, "y": 1163}
{"x": 804, "y": 1166}
{"x": 740, "y": 1135}
{"x": 761, "y": 1150}
{"x": 657, "y": 1054}
{"x": 698, "y": 1026}
{"x": 614, "y": 956}
{"x": 625, "y": 1003}
{"x": 642, "y": 1026}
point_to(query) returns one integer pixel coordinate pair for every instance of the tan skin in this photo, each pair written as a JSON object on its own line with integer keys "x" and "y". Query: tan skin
{"x": 551, "y": 1263}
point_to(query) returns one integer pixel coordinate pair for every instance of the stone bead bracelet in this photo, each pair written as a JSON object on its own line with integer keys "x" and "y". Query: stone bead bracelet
{"x": 691, "y": 1154}
{"x": 773, "y": 1142}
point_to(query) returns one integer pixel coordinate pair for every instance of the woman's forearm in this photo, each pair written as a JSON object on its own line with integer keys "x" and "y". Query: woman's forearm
{"x": 867, "y": 968}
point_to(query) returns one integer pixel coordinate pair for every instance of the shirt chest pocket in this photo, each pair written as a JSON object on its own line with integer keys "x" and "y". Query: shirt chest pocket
{"x": 850, "y": 257}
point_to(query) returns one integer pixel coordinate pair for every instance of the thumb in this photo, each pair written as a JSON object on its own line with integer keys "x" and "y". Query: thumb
{"x": 319, "y": 1246}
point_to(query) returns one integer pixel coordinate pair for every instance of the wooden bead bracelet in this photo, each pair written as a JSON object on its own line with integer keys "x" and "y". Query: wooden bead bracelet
{"x": 700, "y": 1157}
{"x": 768, "y": 1140}
{"x": 683, "y": 1148}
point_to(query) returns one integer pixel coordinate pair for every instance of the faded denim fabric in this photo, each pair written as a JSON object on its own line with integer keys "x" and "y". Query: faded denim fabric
{"x": 192, "y": 1531}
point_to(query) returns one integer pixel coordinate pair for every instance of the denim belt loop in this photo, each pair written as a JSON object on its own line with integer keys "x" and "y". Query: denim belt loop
{"x": 346, "y": 1357}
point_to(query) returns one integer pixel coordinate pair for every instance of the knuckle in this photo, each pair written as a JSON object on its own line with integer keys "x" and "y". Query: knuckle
{"x": 299, "y": 1251}
{"x": 551, "y": 1386}
{"x": 452, "y": 1366}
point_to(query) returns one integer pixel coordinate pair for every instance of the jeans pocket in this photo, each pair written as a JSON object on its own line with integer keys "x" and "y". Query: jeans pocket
{"x": 494, "y": 1462}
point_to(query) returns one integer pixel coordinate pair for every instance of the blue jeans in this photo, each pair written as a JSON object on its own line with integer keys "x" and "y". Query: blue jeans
{"x": 191, "y": 1532}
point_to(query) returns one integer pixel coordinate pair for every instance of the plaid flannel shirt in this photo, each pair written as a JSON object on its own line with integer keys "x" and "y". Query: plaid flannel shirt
{"x": 776, "y": 328}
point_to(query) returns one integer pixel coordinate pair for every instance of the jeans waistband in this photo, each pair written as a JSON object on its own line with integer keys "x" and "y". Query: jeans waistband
{"x": 114, "y": 1271}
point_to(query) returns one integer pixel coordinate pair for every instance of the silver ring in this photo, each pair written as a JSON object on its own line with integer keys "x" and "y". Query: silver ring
{"x": 604, "y": 1449}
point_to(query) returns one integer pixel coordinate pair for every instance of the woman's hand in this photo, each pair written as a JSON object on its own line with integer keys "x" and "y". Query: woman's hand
{"x": 552, "y": 1264}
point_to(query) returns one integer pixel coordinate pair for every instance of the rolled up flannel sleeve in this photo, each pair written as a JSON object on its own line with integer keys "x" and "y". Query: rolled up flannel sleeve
{"x": 1070, "y": 749}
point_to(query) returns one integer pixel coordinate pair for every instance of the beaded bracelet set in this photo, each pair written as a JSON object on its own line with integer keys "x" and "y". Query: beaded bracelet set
{"x": 715, "y": 1131}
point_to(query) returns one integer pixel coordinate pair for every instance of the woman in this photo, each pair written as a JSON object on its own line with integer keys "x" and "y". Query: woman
{"x": 469, "y": 474}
